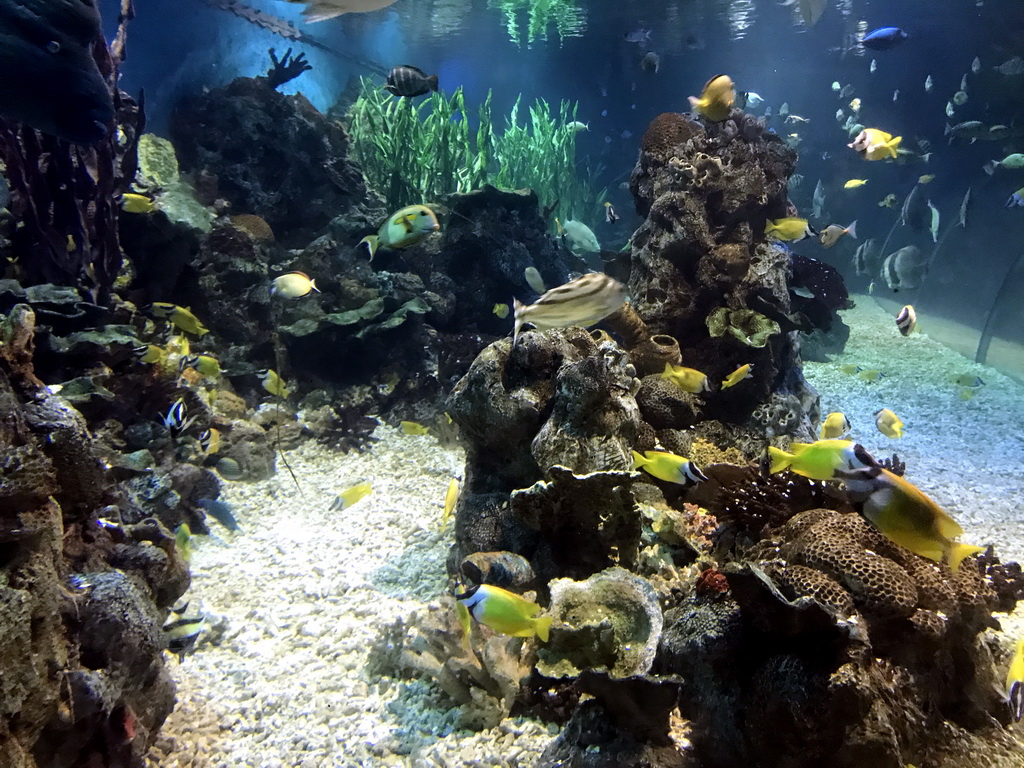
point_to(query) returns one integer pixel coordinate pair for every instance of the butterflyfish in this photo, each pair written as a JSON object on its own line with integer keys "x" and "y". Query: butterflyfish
{"x": 505, "y": 612}
{"x": 906, "y": 320}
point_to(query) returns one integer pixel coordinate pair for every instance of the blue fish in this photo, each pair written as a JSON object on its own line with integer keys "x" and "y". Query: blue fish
{"x": 219, "y": 511}
{"x": 883, "y": 38}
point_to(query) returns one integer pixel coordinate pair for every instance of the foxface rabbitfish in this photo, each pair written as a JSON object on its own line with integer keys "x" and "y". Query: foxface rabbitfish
{"x": 50, "y": 79}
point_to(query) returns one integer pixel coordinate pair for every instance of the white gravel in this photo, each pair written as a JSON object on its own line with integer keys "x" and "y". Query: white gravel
{"x": 303, "y": 590}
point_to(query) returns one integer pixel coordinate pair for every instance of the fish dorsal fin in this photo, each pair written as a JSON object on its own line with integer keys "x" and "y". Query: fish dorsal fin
{"x": 415, "y": 69}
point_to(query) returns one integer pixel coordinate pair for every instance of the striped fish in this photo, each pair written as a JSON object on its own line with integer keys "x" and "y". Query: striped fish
{"x": 906, "y": 320}
{"x": 584, "y": 301}
{"x": 410, "y": 81}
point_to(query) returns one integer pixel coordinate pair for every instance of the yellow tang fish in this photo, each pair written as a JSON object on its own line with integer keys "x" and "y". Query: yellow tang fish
{"x": 687, "y": 379}
{"x": 180, "y": 317}
{"x": 273, "y": 383}
{"x": 404, "y": 228}
{"x": 350, "y": 496}
{"x": 789, "y": 228}
{"x": 734, "y": 378}
{"x": 835, "y": 426}
{"x": 413, "y": 428}
{"x": 668, "y": 467}
{"x": 854, "y": 183}
{"x": 904, "y": 514}
{"x": 505, "y": 612}
{"x": 451, "y": 497}
{"x": 134, "y": 203}
{"x": 716, "y": 98}
{"x": 584, "y": 301}
{"x": 889, "y": 423}
{"x": 501, "y": 310}
{"x": 819, "y": 460}
{"x": 293, "y": 285}
{"x": 1015, "y": 682}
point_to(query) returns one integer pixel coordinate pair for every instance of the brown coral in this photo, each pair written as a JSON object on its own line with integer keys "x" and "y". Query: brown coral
{"x": 255, "y": 225}
{"x": 667, "y": 131}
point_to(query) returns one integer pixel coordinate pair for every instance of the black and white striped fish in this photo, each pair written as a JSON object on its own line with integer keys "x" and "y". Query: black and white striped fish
{"x": 584, "y": 301}
{"x": 410, "y": 81}
{"x": 906, "y": 320}
{"x": 177, "y": 419}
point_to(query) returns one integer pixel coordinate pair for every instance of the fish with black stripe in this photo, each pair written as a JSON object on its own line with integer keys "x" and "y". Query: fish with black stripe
{"x": 410, "y": 81}
{"x": 584, "y": 301}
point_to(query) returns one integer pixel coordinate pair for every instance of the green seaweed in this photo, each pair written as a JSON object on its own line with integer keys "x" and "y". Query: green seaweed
{"x": 568, "y": 19}
{"x": 415, "y": 153}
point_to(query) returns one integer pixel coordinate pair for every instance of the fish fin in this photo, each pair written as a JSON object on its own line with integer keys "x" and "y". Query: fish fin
{"x": 312, "y": 284}
{"x": 959, "y": 551}
{"x": 852, "y": 229}
{"x": 432, "y": 82}
{"x": 542, "y": 626}
{"x": 372, "y": 243}
{"x": 517, "y": 308}
{"x": 780, "y": 460}
{"x": 695, "y": 102}
{"x": 639, "y": 460}
{"x": 990, "y": 167}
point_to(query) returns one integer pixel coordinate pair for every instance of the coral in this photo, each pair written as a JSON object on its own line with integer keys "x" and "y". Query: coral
{"x": 666, "y": 132}
{"x": 502, "y": 569}
{"x": 700, "y": 170}
{"x": 254, "y": 225}
{"x": 610, "y": 622}
{"x": 746, "y": 325}
{"x": 158, "y": 163}
{"x": 664, "y": 405}
{"x": 651, "y": 355}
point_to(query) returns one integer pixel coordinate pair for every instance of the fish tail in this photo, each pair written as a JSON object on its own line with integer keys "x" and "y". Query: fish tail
{"x": 517, "y": 308}
{"x": 639, "y": 460}
{"x": 892, "y": 144}
{"x": 990, "y": 167}
{"x": 312, "y": 284}
{"x": 957, "y": 553}
{"x": 694, "y": 102}
{"x": 780, "y": 460}
{"x": 432, "y": 82}
{"x": 372, "y": 242}
{"x": 542, "y": 627}
{"x": 852, "y": 229}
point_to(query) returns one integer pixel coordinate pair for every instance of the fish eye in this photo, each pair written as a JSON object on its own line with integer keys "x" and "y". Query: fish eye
{"x": 53, "y": 46}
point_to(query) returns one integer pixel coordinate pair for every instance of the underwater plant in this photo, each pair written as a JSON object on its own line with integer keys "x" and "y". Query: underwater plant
{"x": 569, "y": 20}
{"x": 414, "y": 153}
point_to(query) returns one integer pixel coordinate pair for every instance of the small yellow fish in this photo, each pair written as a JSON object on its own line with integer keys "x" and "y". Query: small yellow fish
{"x": 716, "y": 99}
{"x": 505, "y": 612}
{"x": 850, "y": 368}
{"x": 1015, "y": 682}
{"x": 413, "y": 428}
{"x": 501, "y": 310}
{"x": 967, "y": 393}
{"x": 209, "y": 441}
{"x": 350, "y": 496}
{"x": 402, "y": 229}
{"x": 465, "y": 624}
{"x": 889, "y": 201}
{"x": 889, "y": 423}
{"x": 293, "y": 285}
{"x": 818, "y": 460}
{"x": 835, "y": 426}
{"x": 183, "y": 541}
{"x": 133, "y": 203}
{"x": 150, "y": 353}
{"x": 273, "y": 383}
{"x": 178, "y": 345}
{"x": 855, "y": 105}
{"x": 734, "y": 378}
{"x": 668, "y": 467}
{"x": 180, "y": 317}
{"x": 790, "y": 228}
{"x": 870, "y": 375}
{"x": 926, "y": 178}
{"x": 207, "y": 365}
{"x": 854, "y": 183}
{"x": 687, "y": 379}
{"x": 967, "y": 380}
{"x": 451, "y": 496}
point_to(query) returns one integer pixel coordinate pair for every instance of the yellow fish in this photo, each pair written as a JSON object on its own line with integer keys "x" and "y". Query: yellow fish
{"x": 178, "y": 345}
{"x": 668, "y": 467}
{"x": 835, "y": 426}
{"x": 870, "y": 375}
{"x": 501, "y": 310}
{"x": 273, "y": 383}
{"x": 905, "y": 515}
{"x": 505, "y": 612}
{"x": 854, "y": 183}
{"x": 716, "y": 98}
{"x": 1015, "y": 682}
{"x": 967, "y": 380}
{"x": 889, "y": 423}
{"x": 451, "y": 496}
{"x": 873, "y": 144}
{"x": 465, "y": 624}
{"x": 348, "y": 497}
{"x": 818, "y": 460}
{"x": 209, "y": 441}
{"x": 926, "y": 178}
{"x": 207, "y": 365}
{"x": 134, "y": 203}
{"x": 150, "y": 353}
{"x": 850, "y": 368}
{"x": 180, "y": 317}
{"x": 790, "y": 228}
{"x": 687, "y": 379}
{"x": 734, "y": 378}
{"x": 889, "y": 201}
{"x": 404, "y": 228}
{"x": 183, "y": 541}
{"x": 413, "y": 428}
{"x": 967, "y": 393}
{"x": 293, "y": 285}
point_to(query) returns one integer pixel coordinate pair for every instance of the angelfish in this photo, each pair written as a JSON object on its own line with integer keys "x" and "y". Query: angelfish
{"x": 584, "y": 301}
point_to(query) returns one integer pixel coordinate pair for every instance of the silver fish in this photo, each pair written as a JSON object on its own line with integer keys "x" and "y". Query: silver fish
{"x": 963, "y": 209}
{"x": 934, "y": 227}
{"x": 584, "y": 301}
{"x": 963, "y": 83}
{"x": 976, "y": 65}
{"x": 534, "y": 280}
{"x": 818, "y": 201}
{"x": 1014, "y": 66}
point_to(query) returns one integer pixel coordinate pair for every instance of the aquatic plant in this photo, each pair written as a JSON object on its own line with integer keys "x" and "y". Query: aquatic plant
{"x": 412, "y": 153}
{"x": 569, "y": 20}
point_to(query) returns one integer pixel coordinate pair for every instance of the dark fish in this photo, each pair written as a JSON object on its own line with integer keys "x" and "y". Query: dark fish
{"x": 51, "y": 81}
{"x": 905, "y": 269}
{"x": 639, "y": 35}
{"x": 181, "y": 632}
{"x": 229, "y": 469}
{"x": 651, "y": 62}
{"x": 410, "y": 81}
{"x": 915, "y": 212}
{"x": 883, "y": 38}
{"x": 219, "y": 511}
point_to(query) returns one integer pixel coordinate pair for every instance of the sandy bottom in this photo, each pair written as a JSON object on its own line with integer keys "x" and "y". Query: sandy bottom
{"x": 301, "y": 591}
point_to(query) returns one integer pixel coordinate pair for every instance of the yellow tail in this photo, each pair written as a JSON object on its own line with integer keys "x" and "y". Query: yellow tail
{"x": 372, "y": 242}
{"x": 639, "y": 460}
{"x": 542, "y": 627}
{"x": 892, "y": 145}
{"x": 959, "y": 551}
{"x": 780, "y": 460}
